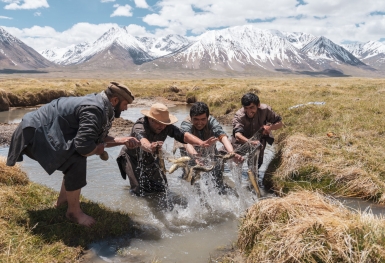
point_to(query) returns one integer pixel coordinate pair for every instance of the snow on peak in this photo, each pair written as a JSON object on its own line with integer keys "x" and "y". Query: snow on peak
{"x": 366, "y": 50}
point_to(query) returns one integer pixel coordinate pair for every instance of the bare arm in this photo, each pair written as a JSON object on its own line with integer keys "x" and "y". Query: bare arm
{"x": 229, "y": 148}
{"x": 191, "y": 139}
{"x": 150, "y": 147}
{"x": 272, "y": 127}
{"x": 130, "y": 142}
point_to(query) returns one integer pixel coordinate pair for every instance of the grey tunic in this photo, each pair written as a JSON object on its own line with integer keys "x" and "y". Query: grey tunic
{"x": 63, "y": 127}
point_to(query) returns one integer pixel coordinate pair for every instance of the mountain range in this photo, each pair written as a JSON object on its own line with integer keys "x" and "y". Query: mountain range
{"x": 235, "y": 49}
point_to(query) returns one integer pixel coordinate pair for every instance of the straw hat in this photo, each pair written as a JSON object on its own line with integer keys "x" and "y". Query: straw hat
{"x": 123, "y": 91}
{"x": 159, "y": 112}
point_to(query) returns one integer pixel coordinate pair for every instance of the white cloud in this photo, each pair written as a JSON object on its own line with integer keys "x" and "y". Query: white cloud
{"x": 5, "y": 17}
{"x": 41, "y": 38}
{"x": 334, "y": 19}
{"x": 106, "y": 1}
{"x": 25, "y": 4}
{"x": 122, "y": 10}
{"x": 141, "y": 4}
{"x": 137, "y": 30}
{"x": 37, "y": 14}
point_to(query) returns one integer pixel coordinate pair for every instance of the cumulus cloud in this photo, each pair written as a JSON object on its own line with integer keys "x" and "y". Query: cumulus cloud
{"x": 137, "y": 30}
{"x": 339, "y": 20}
{"x": 5, "y": 17}
{"x": 25, "y": 4}
{"x": 141, "y": 4}
{"x": 107, "y": 1}
{"x": 37, "y": 14}
{"x": 122, "y": 10}
{"x": 41, "y": 38}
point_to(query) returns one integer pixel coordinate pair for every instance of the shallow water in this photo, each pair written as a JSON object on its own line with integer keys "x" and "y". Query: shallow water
{"x": 196, "y": 223}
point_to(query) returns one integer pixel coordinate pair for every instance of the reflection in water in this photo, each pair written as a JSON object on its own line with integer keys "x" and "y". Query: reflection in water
{"x": 184, "y": 225}
{"x": 14, "y": 115}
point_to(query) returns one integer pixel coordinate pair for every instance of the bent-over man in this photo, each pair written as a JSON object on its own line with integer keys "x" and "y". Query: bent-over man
{"x": 140, "y": 165}
{"x": 201, "y": 124}
{"x": 250, "y": 119}
{"x": 63, "y": 133}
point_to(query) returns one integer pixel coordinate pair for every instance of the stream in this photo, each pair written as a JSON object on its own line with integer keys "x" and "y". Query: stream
{"x": 198, "y": 223}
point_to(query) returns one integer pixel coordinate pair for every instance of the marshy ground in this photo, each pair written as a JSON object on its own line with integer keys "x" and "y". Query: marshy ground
{"x": 336, "y": 148}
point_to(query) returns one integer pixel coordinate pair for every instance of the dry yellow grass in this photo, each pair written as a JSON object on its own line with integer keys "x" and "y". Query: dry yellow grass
{"x": 312, "y": 162}
{"x": 309, "y": 227}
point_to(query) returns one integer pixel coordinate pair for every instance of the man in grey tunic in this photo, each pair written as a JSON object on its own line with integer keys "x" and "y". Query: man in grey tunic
{"x": 140, "y": 165}
{"x": 63, "y": 133}
{"x": 201, "y": 124}
{"x": 250, "y": 119}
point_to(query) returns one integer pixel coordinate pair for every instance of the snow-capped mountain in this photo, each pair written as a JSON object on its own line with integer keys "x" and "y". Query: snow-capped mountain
{"x": 62, "y": 56}
{"x": 371, "y": 52}
{"x": 163, "y": 46}
{"x": 118, "y": 40}
{"x": 240, "y": 48}
{"x": 247, "y": 47}
{"x": 323, "y": 50}
{"x": 298, "y": 39}
{"x": 15, "y": 54}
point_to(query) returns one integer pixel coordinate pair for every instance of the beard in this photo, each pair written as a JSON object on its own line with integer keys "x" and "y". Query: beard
{"x": 117, "y": 110}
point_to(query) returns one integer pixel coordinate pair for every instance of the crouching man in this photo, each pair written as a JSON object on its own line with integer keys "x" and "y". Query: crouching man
{"x": 201, "y": 124}
{"x": 62, "y": 134}
{"x": 142, "y": 166}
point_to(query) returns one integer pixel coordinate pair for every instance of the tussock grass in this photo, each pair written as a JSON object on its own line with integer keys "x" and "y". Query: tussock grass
{"x": 32, "y": 230}
{"x": 309, "y": 227}
{"x": 313, "y": 163}
{"x": 11, "y": 175}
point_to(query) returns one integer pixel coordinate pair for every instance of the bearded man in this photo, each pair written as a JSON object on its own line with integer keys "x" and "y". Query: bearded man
{"x": 63, "y": 133}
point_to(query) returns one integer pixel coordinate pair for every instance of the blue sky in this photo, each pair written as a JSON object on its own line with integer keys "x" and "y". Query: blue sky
{"x": 45, "y": 24}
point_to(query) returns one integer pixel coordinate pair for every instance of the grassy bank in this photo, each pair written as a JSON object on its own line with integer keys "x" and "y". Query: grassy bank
{"x": 348, "y": 163}
{"x": 308, "y": 227}
{"x": 32, "y": 230}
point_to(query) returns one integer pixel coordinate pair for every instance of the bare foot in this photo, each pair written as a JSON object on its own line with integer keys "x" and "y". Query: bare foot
{"x": 81, "y": 219}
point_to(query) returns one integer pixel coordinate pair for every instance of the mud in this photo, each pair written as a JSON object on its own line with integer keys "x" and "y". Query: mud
{"x": 120, "y": 127}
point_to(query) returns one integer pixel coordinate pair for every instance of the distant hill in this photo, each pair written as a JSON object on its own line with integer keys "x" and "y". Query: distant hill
{"x": 14, "y": 54}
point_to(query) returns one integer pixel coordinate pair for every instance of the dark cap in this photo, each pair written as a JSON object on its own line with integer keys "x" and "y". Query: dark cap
{"x": 121, "y": 90}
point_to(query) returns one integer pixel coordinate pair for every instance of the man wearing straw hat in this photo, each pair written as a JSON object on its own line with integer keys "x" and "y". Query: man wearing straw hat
{"x": 141, "y": 167}
{"x": 62, "y": 134}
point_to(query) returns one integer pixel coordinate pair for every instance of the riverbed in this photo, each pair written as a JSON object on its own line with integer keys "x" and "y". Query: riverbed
{"x": 188, "y": 226}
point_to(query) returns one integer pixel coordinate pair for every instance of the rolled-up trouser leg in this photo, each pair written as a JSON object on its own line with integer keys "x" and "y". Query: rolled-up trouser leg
{"x": 74, "y": 170}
